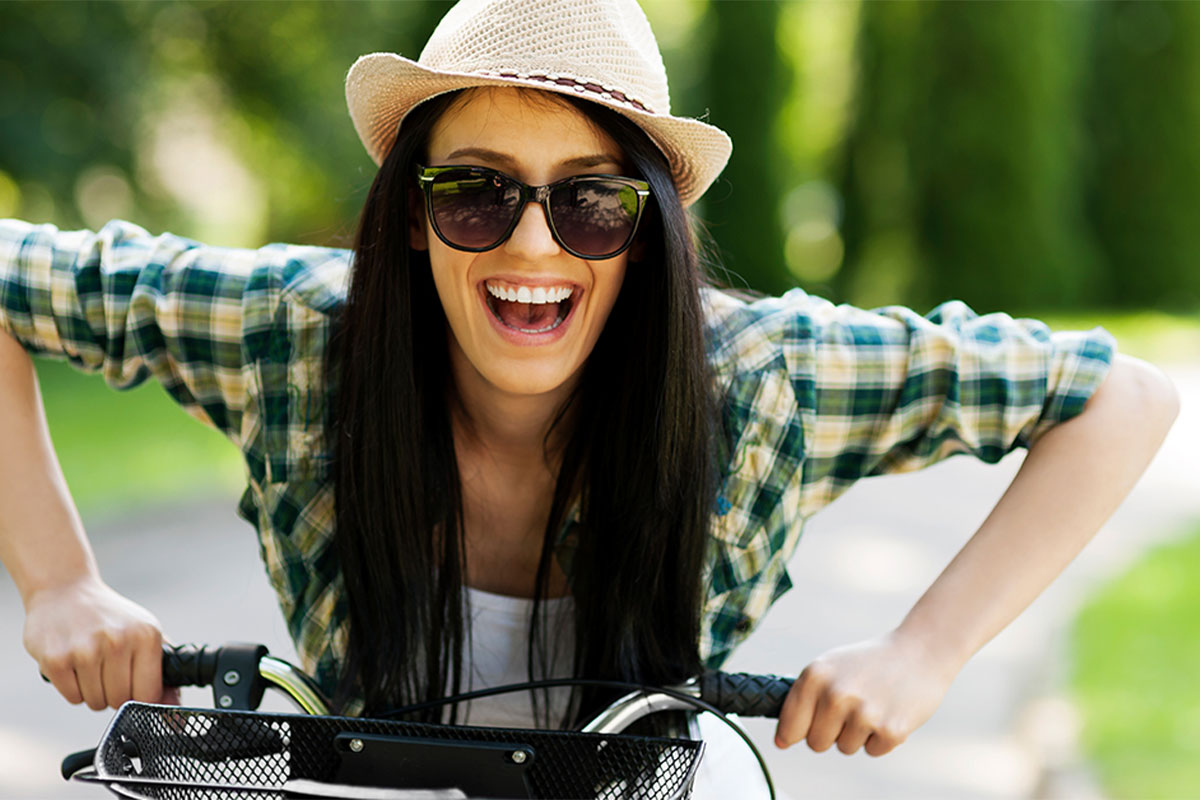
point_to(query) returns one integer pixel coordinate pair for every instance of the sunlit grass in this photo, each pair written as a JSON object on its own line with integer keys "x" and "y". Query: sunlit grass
{"x": 1137, "y": 663}
{"x": 122, "y": 450}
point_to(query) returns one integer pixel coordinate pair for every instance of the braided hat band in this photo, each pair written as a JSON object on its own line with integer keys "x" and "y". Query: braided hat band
{"x": 601, "y": 50}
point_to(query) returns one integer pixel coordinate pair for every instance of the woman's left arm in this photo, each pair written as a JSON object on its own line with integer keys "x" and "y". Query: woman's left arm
{"x": 874, "y": 694}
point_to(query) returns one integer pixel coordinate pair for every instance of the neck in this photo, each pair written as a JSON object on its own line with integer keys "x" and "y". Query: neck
{"x": 511, "y": 428}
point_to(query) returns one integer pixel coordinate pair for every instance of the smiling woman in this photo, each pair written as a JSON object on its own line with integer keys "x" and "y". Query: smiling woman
{"x": 518, "y": 398}
{"x": 540, "y": 422}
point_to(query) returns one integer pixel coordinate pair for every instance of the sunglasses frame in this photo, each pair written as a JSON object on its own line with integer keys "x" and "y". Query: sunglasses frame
{"x": 535, "y": 194}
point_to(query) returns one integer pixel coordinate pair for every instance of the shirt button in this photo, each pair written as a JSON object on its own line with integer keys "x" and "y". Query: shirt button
{"x": 743, "y": 625}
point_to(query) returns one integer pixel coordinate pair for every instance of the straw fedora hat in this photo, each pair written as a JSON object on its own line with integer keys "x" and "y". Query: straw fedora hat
{"x": 602, "y": 50}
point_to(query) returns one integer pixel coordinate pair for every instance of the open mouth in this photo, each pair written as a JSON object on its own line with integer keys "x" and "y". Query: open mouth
{"x": 533, "y": 311}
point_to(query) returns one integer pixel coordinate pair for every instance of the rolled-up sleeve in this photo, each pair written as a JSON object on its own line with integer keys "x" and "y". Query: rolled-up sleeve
{"x": 890, "y": 390}
{"x": 131, "y": 306}
{"x": 822, "y": 395}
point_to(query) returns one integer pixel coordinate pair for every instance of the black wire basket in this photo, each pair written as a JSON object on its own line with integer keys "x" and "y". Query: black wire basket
{"x": 172, "y": 753}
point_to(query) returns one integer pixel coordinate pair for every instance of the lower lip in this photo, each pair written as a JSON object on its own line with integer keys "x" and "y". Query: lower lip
{"x": 522, "y": 339}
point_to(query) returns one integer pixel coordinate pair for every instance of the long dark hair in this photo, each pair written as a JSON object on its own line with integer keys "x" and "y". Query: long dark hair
{"x": 638, "y": 455}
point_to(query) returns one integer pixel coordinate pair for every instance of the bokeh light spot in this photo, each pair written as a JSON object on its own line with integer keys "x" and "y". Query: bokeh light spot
{"x": 103, "y": 193}
{"x": 814, "y": 249}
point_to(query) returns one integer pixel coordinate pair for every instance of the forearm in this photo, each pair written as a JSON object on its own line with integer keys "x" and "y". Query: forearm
{"x": 1072, "y": 480}
{"x": 42, "y": 543}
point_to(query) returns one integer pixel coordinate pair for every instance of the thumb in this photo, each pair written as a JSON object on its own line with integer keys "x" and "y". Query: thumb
{"x": 795, "y": 718}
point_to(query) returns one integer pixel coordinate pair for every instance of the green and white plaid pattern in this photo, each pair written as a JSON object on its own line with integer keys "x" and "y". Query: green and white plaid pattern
{"x": 816, "y": 395}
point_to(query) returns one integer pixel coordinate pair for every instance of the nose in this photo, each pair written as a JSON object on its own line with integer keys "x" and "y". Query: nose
{"x": 532, "y": 238}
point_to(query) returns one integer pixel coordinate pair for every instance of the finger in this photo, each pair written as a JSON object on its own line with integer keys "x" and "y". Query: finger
{"x": 170, "y": 696}
{"x": 796, "y": 715}
{"x": 62, "y": 677}
{"x": 116, "y": 672}
{"x": 854, "y": 735}
{"x": 91, "y": 686}
{"x": 147, "y": 670}
{"x": 828, "y": 719}
{"x": 879, "y": 744}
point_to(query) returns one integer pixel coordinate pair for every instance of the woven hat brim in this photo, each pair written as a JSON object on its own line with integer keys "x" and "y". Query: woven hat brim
{"x": 381, "y": 88}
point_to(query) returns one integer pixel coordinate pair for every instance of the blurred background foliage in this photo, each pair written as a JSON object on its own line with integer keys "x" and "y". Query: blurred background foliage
{"x": 1026, "y": 156}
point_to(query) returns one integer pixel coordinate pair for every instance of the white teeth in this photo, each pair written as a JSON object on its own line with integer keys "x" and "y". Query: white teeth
{"x": 527, "y": 294}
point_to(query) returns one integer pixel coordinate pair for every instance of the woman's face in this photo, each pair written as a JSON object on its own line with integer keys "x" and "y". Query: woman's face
{"x": 537, "y": 140}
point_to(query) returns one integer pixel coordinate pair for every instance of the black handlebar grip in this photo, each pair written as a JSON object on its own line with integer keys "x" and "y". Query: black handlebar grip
{"x": 77, "y": 762}
{"x": 745, "y": 694}
{"x": 189, "y": 664}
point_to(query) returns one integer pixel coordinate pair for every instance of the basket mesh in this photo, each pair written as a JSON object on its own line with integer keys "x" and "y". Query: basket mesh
{"x": 205, "y": 746}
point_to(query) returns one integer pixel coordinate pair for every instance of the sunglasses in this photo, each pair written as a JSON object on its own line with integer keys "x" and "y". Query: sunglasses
{"x": 476, "y": 209}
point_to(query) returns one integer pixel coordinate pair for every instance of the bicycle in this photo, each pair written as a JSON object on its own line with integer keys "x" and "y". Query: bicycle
{"x": 232, "y": 750}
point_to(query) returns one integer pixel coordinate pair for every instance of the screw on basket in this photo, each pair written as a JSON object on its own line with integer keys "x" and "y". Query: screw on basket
{"x": 356, "y": 745}
{"x": 226, "y": 701}
{"x": 519, "y": 756}
{"x": 232, "y": 677}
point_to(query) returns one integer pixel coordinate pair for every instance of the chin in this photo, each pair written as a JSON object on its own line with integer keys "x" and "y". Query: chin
{"x": 528, "y": 381}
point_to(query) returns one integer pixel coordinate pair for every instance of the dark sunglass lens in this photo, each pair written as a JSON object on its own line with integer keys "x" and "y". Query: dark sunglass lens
{"x": 473, "y": 208}
{"x": 594, "y": 217}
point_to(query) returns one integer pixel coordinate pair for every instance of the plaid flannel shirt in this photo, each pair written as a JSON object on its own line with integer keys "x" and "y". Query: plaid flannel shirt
{"x": 816, "y": 396}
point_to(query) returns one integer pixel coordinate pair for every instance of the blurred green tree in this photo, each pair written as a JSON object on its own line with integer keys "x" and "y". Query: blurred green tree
{"x": 965, "y": 157}
{"x": 882, "y": 255}
{"x": 997, "y": 151}
{"x": 747, "y": 81}
{"x": 1144, "y": 116}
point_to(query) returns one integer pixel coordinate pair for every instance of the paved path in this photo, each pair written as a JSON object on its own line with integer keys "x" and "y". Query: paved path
{"x": 862, "y": 563}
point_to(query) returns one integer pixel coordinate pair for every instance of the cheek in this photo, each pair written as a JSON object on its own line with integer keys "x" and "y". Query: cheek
{"x": 608, "y": 289}
{"x": 449, "y": 277}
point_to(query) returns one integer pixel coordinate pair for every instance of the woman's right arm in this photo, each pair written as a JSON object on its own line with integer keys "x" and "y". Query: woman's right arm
{"x": 218, "y": 329}
{"x": 94, "y": 645}
{"x": 129, "y": 306}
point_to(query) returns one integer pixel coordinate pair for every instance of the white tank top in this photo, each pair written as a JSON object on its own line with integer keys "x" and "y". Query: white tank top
{"x": 499, "y": 636}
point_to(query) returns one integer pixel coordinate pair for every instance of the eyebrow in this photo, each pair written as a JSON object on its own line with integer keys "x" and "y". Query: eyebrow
{"x": 593, "y": 160}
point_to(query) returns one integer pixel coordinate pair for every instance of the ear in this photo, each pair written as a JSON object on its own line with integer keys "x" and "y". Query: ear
{"x": 417, "y": 237}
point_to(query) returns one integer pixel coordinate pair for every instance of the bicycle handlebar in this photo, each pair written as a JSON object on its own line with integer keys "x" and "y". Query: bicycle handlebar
{"x": 238, "y": 674}
{"x": 188, "y": 664}
{"x": 745, "y": 694}
{"x": 741, "y": 693}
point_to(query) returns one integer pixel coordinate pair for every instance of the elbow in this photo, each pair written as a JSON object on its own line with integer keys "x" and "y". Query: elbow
{"x": 1171, "y": 397}
{"x": 1144, "y": 390}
